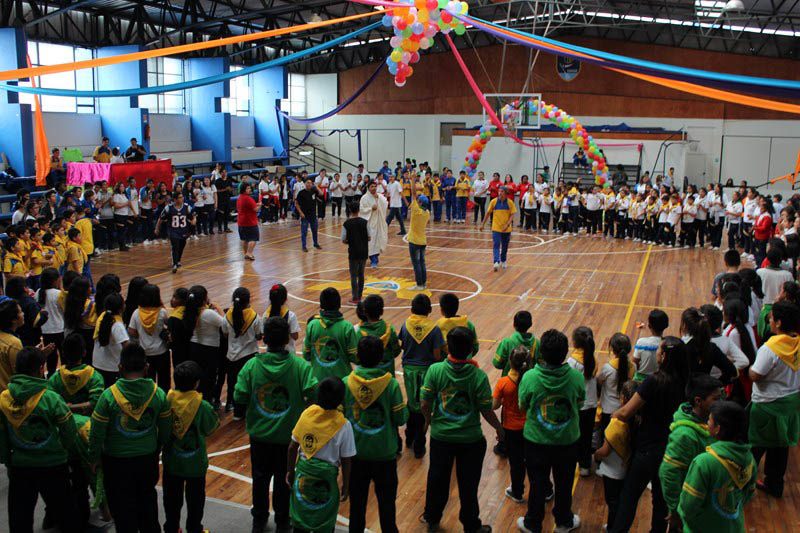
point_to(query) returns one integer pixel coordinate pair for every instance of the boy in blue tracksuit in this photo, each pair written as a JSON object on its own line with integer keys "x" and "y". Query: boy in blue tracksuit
{"x": 449, "y": 188}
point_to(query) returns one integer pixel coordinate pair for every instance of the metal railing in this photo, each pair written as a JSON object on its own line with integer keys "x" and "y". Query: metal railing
{"x": 319, "y": 157}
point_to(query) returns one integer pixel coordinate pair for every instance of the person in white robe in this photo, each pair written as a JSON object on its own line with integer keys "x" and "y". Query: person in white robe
{"x": 373, "y": 208}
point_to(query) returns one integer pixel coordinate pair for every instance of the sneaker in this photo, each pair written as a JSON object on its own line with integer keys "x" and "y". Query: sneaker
{"x": 354, "y": 301}
{"x": 500, "y": 449}
{"x": 318, "y": 247}
{"x": 228, "y": 407}
{"x": 431, "y": 528}
{"x": 401, "y": 233}
{"x": 576, "y": 523}
{"x": 415, "y": 288}
{"x": 174, "y": 268}
{"x": 510, "y": 496}
{"x": 146, "y": 242}
{"x": 550, "y": 495}
{"x": 503, "y": 265}
{"x": 305, "y": 249}
{"x": 585, "y": 472}
{"x": 521, "y": 525}
{"x": 496, "y": 267}
{"x": 236, "y": 418}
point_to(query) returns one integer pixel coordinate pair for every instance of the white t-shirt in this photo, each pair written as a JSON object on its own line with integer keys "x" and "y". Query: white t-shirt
{"x": 776, "y": 216}
{"x": 246, "y": 343}
{"x": 349, "y": 187}
{"x": 106, "y": 209}
{"x": 702, "y": 208}
{"x": 779, "y": 379}
{"x": 152, "y": 344}
{"x": 772, "y": 280}
{"x": 734, "y": 208}
{"x": 321, "y": 181}
{"x": 591, "y": 385}
{"x": 674, "y": 215}
{"x": 613, "y": 466}
{"x": 343, "y": 444}
{"x": 480, "y": 187}
{"x": 395, "y": 194}
{"x": 750, "y": 210}
{"x": 198, "y": 198}
{"x": 593, "y": 201}
{"x": 609, "y": 397}
{"x": 107, "y": 357}
{"x": 208, "y": 194}
{"x": 529, "y": 200}
{"x": 689, "y": 213}
{"x": 126, "y": 211}
{"x": 645, "y": 353}
{"x": 263, "y": 188}
{"x": 55, "y": 320}
{"x": 545, "y": 203}
{"x": 732, "y": 351}
{"x": 298, "y": 186}
{"x": 206, "y": 332}
{"x": 337, "y": 188}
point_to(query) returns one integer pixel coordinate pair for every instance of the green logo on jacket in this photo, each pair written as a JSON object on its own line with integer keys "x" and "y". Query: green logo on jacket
{"x": 554, "y": 412}
{"x": 272, "y": 400}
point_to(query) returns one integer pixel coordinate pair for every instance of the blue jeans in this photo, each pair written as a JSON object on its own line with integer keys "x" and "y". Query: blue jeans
{"x": 437, "y": 210}
{"x": 500, "y": 246}
{"x": 417, "y": 252}
{"x": 461, "y": 208}
{"x": 394, "y": 212}
{"x": 450, "y": 207}
{"x": 306, "y": 223}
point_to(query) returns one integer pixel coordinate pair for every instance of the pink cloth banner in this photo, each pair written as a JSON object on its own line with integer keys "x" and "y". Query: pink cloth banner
{"x": 81, "y": 173}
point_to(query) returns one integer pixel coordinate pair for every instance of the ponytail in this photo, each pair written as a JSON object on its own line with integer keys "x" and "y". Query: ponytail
{"x": 583, "y": 338}
{"x": 621, "y": 346}
{"x": 241, "y": 301}
{"x": 75, "y": 302}
{"x": 48, "y": 280}
{"x": 194, "y": 304}
{"x": 520, "y": 360}
{"x": 113, "y": 306}
{"x": 694, "y": 323}
{"x": 277, "y": 297}
{"x": 735, "y": 313}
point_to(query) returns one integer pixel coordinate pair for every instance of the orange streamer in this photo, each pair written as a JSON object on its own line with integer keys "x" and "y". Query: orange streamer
{"x": 691, "y": 88}
{"x": 41, "y": 146}
{"x": 21, "y": 73}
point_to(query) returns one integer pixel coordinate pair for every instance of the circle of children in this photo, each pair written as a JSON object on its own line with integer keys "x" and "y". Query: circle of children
{"x": 96, "y": 389}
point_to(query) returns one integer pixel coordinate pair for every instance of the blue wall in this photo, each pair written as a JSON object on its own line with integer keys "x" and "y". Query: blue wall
{"x": 16, "y": 126}
{"x": 268, "y": 88}
{"x": 121, "y": 118}
{"x": 211, "y": 128}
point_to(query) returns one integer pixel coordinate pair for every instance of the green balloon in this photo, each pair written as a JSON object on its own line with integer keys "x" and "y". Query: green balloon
{"x": 460, "y": 29}
{"x": 442, "y": 4}
{"x": 407, "y": 32}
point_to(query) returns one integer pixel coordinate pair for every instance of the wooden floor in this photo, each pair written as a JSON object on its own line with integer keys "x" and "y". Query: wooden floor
{"x": 564, "y": 281}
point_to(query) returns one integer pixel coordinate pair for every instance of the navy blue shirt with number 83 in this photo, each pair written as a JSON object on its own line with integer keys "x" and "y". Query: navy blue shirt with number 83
{"x": 178, "y": 221}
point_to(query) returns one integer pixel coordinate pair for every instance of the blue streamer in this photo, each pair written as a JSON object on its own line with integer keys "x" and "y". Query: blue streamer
{"x": 651, "y": 66}
{"x": 338, "y": 108}
{"x": 192, "y": 83}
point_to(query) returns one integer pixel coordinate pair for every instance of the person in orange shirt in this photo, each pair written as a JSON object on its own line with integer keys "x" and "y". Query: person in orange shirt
{"x": 513, "y": 420}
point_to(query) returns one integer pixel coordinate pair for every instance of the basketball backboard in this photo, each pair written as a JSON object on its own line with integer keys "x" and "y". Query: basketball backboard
{"x": 515, "y": 110}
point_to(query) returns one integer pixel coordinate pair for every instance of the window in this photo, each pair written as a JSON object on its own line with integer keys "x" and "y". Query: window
{"x": 82, "y": 80}
{"x": 239, "y": 102}
{"x": 164, "y": 71}
{"x": 297, "y": 95}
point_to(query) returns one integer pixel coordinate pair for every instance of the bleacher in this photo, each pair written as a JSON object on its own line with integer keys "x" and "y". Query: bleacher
{"x": 583, "y": 175}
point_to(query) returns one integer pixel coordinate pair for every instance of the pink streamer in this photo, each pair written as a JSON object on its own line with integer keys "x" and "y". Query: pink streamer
{"x": 381, "y": 3}
{"x": 79, "y": 174}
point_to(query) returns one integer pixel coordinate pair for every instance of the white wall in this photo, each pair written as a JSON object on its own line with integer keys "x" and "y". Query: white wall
{"x": 170, "y": 133}
{"x": 243, "y": 132}
{"x": 73, "y": 130}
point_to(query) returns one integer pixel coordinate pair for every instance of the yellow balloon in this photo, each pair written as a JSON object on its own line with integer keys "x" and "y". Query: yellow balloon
{"x": 464, "y": 8}
{"x": 422, "y": 16}
{"x": 396, "y": 55}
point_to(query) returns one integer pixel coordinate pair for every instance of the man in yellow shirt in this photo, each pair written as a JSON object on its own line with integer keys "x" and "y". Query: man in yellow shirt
{"x": 76, "y": 257}
{"x": 102, "y": 154}
{"x": 417, "y": 240}
{"x": 502, "y": 222}
{"x": 463, "y": 186}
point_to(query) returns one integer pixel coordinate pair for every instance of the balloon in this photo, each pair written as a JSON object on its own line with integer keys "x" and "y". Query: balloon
{"x": 423, "y": 16}
{"x": 442, "y": 4}
{"x": 386, "y": 20}
{"x": 409, "y": 71}
{"x": 393, "y": 69}
{"x": 464, "y": 8}
{"x": 414, "y": 57}
{"x": 417, "y": 28}
{"x": 396, "y": 55}
{"x": 401, "y": 24}
{"x": 460, "y": 29}
{"x": 446, "y": 17}
{"x": 431, "y": 4}
{"x": 395, "y": 41}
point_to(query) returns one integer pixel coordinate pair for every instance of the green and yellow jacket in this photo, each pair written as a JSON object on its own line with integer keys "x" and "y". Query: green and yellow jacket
{"x": 193, "y": 419}
{"x": 718, "y": 485}
{"x": 388, "y": 336}
{"x": 330, "y": 345}
{"x": 36, "y": 426}
{"x": 507, "y": 346}
{"x": 78, "y": 384}
{"x": 551, "y": 397}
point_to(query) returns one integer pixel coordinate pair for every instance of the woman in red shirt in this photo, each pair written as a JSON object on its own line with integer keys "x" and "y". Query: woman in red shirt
{"x": 247, "y": 220}
{"x": 511, "y": 187}
{"x": 494, "y": 186}
{"x": 762, "y": 229}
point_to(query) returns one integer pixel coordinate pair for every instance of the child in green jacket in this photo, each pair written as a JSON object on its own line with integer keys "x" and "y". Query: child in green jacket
{"x": 370, "y": 311}
{"x": 375, "y": 407}
{"x": 448, "y": 305}
{"x": 79, "y": 384}
{"x": 330, "y": 342}
{"x": 523, "y": 321}
{"x": 688, "y": 437}
{"x": 185, "y": 458}
{"x": 37, "y": 433}
{"x": 274, "y": 387}
{"x": 722, "y": 480}
{"x": 551, "y": 394}
{"x": 130, "y": 424}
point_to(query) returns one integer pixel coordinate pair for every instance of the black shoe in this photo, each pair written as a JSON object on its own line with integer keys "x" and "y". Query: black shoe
{"x": 259, "y": 526}
{"x": 420, "y": 453}
{"x": 123, "y": 248}
{"x": 305, "y": 249}
{"x": 228, "y": 230}
{"x": 174, "y": 268}
{"x": 228, "y": 407}
{"x": 216, "y": 404}
{"x": 500, "y": 449}
{"x": 401, "y": 233}
{"x": 318, "y": 247}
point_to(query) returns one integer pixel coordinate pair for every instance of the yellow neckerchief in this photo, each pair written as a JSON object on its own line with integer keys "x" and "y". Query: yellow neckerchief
{"x": 11, "y": 256}
{"x": 49, "y": 250}
{"x": 739, "y": 475}
{"x": 127, "y": 407}
{"x": 75, "y": 380}
{"x": 384, "y": 338}
{"x": 366, "y": 391}
{"x": 316, "y": 427}
{"x": 99, "y": 321}
{"x": 73, "y": 244}
{"x": 419, "y": 327}
{"x": 572, "y": 192}
{"x": 446, "y": 324}
{"x": 178, "y": 312}
{"x": 577, "y": 354}
{"x": 558, "y": 197}
{"x": 184, "y": 406}
{"x": 85, "y": 429}
{"x": 16, "y": 412}
{"x": 513, "y": 375}
{"x": 249, "y": 317}
{"x": 787, "y": 348}
{"x": 614, "y": 363}
{"x": 148, "y": 316}
{"x": 284, "y": 311}
{"x": 617, "y": 435}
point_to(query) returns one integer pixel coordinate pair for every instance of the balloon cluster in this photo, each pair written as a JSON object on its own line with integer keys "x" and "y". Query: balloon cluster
{"x": 475, "y": 149}
{"x": 579, "y": 135}
{"x": 416, "y": 23}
